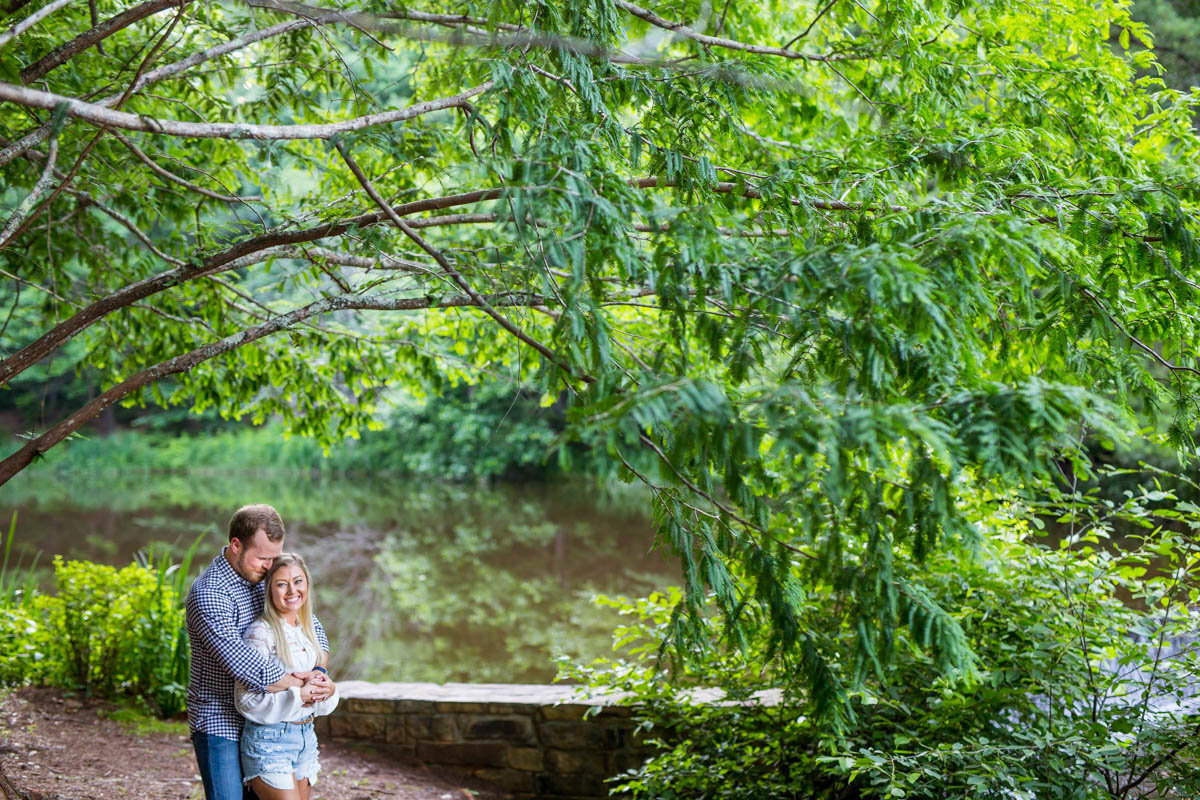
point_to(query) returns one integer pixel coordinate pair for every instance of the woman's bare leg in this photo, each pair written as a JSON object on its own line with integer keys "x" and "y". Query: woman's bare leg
{"x": 266, "y": 792}
{"x": 304, "y": 786}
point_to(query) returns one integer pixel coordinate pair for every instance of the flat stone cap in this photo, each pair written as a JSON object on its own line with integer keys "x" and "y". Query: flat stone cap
{"x": 532, "y": 693}
{"x": 529, "y": 693}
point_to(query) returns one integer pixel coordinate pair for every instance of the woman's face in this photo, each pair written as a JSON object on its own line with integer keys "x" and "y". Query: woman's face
{"x": 288, "y": 590}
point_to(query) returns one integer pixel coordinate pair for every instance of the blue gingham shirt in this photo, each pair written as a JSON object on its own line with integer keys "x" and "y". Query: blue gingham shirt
{"x": 220, "y": 606}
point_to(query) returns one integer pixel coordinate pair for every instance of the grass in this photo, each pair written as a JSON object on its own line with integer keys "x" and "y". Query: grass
{"x": 142, "y": 723}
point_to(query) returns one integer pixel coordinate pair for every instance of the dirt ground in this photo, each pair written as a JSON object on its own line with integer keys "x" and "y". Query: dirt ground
{"x": 53, "y": 744}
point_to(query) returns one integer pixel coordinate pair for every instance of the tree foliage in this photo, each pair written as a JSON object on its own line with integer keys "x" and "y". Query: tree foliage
{"x": 807, "y": 270}
{"x": 1084, "y": 682}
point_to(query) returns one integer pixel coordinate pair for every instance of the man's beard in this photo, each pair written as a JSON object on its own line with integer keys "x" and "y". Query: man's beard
{"x": 244, "y": 570}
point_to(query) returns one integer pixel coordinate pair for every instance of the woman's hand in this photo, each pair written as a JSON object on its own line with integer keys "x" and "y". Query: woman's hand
{"x": 317, "y": 687}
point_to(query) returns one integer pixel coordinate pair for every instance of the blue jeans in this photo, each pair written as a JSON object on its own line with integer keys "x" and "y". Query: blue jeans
{"x": 220, "y": 765}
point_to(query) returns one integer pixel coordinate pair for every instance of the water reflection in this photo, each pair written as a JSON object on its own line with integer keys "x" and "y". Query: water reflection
{"x": 415, "y": 580}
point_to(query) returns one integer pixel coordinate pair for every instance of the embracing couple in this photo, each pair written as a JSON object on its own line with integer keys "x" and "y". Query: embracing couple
{"x": 259, "y": 661}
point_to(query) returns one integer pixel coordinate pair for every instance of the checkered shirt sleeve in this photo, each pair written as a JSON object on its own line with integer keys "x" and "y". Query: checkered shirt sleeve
{"x": 213, "y": 621}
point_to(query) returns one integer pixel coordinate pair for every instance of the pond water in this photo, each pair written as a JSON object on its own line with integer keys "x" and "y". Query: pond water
{"x": 414, "y": 580}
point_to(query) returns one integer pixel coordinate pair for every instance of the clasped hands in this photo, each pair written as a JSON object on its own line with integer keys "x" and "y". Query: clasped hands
{"x": 315, "y": 686}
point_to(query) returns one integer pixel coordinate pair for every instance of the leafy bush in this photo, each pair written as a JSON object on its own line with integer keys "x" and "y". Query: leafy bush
{"x": 23, "y": 636}
{"x": 24, "y": 641}
{"x": 120, "y": 632}
{"x": 1082, "y": 686}
{"x": 111, "y": 632}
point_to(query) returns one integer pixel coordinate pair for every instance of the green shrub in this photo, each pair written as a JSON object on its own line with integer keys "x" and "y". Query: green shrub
{"x": 24, "y": 642}
{"x": 113, "y": 633}
{"x": 119, "y": 632}
{"x": 23, "y": 636}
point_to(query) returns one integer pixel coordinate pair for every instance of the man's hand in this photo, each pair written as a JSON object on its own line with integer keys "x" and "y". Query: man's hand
{"x": 285, "y": 683}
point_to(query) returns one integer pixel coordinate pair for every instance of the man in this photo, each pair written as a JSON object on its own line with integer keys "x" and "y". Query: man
{"x": 222, "y": 603}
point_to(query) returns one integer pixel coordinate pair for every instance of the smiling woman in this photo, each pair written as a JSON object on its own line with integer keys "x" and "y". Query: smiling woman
{"x": 278, "y": 744}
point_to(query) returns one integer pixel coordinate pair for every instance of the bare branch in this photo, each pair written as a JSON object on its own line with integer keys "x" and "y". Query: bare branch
{"x": 450, "y": 269}
{"x": 99, "y": 115}
{"x": 730, "y": 44}
{"x": 20, "y": 459}
{"x": 64, "y": 53}
{"x": 171, "y": 176}
{"x": 33, "y": 19}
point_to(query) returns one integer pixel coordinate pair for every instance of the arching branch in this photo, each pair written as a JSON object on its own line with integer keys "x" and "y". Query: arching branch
{"x": 99, "y": 115}
{"x": 33, "y": 19}
{"x": 35, "y": 447}
{"x": 65, "y": 52}
{"x": 730, "y": 44}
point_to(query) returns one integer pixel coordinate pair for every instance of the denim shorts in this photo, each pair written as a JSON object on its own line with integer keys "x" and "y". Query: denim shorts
{"x": 277, "y": 752}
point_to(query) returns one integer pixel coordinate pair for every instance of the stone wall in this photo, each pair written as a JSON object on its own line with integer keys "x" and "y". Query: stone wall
{"x": 530, "y": 740}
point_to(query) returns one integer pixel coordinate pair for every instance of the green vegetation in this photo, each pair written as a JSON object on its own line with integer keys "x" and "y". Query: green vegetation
{"x": 467, "y": 433}
{"x": 110, "y": 633}
{"x": 143, "y": 724}
{"x": 1079, "y": 688}
{"x": 820, "y": 275}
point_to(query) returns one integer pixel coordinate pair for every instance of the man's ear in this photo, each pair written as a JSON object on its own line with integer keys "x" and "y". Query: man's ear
{"x": 235, "y": 546}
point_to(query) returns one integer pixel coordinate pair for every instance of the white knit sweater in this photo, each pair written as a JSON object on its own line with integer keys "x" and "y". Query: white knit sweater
{"x": 285, "y": 706}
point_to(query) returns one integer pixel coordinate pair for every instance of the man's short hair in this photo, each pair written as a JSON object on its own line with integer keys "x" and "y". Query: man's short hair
{"x": 249, "y": 520}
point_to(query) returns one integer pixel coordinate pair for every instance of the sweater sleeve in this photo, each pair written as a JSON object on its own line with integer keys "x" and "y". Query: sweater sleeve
{"x": 266, "y": 709}
{"x": 327, "y": 705}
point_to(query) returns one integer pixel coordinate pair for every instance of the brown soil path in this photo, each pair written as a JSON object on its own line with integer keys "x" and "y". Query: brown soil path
{"x": 52, "y": 743}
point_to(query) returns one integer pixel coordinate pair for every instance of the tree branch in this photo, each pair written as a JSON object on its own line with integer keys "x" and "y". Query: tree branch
{"x": 23, "y": 457}
{"x": 171, "y": 176}
{"x": 65, "y": 52}
{"x": 1136, "y": 342}
{"x": 815, "y": 20}
{"x": 33, "y": 19}
{"x": 239, "y": 255}
{"x": 12, "y": 228}
{"x": 99, "y": 115}
{"x": 451, "y": 271}
{"x": 244, "y": 253}
{"x": 730, "y": 44}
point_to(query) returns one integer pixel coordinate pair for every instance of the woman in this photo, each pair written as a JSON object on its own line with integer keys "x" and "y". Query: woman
{"x": 279, "y": 746}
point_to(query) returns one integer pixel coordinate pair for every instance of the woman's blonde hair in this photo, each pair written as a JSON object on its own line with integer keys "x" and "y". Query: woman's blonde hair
{"x": 271, "y": 615}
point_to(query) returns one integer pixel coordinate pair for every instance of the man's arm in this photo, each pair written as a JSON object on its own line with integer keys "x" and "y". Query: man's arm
{"x": 211, "y": 620}
{"x": 323, "y": 641}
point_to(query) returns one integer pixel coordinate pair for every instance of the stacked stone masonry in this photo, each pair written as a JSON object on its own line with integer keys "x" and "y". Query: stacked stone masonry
{"x": 528, "y": 740}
